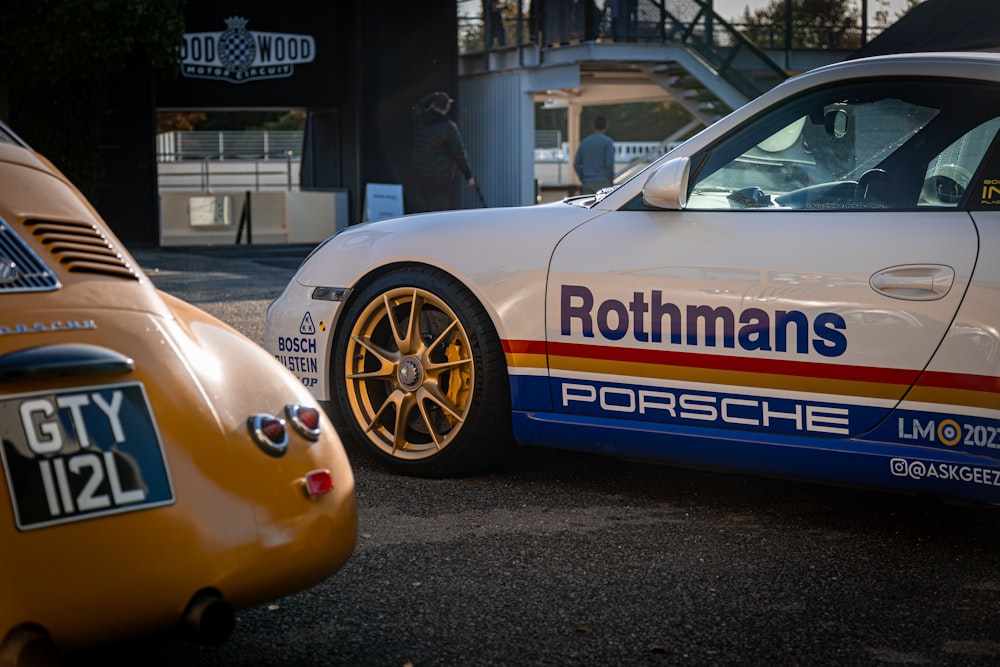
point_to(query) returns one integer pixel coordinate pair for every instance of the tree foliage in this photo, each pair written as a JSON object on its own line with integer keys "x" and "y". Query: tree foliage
{"x": 58, "y": 59}
{"x": 84, "y": 39}
{"x": 817, "y": 24}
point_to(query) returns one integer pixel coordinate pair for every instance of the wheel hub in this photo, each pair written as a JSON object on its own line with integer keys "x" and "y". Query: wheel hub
{"x": 410, "y": 374}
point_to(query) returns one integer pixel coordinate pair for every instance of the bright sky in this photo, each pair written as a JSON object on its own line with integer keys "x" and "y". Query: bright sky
{"x": 728, "y": 9}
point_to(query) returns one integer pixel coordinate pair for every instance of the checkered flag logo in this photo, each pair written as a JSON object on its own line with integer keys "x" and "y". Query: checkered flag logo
{"x": 236, "y": 46}
{"x": 239, "y": 55}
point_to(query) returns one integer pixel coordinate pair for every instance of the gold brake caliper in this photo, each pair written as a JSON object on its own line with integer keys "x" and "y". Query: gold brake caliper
{"x": 458, "y": 379}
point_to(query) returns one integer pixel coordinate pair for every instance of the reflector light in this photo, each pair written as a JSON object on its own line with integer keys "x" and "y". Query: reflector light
{"x": 319, "y": 482}
{"x": 269, "y": 433}
{"x": 304, "y": 419}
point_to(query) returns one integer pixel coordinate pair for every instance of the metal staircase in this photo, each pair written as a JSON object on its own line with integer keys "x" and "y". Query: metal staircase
{"x": 571, "y": 52}
{"x": 723, "y": 70}
{"x": 718, "y": 69}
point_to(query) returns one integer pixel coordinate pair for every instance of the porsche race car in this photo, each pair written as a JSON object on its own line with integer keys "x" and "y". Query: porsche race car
{"x": 804, "y": 289}
{"x": 160, "y": 469}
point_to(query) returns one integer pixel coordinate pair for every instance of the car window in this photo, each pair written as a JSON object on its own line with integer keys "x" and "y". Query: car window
{"x": 857, "y": 146}
{"x": 949, "y": 174}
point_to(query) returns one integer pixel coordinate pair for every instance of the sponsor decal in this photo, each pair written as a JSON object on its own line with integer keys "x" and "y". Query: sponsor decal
{"x": 307, "y": 328}
{"x": 298, "y": 354}
{"x": 925, "y": 470}
{"x": 295, "y": 344}
{"x": 647, "y": 318}
{"x": 46, "y": 327}
{"x": 990, "y": 195}
{"x": 700, "y": 408}
{"x": 969, "y": 432}
{"x": 239, "y": 55}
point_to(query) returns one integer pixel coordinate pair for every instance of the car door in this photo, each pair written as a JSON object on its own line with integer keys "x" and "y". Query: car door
{"x": 816, "y": 268}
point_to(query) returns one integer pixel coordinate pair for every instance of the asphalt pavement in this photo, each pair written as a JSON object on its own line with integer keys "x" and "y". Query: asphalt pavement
{"x": 567, "y": 559}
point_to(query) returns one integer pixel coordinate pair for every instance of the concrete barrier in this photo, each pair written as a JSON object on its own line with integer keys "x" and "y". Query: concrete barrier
{"x": 274, "y": 217}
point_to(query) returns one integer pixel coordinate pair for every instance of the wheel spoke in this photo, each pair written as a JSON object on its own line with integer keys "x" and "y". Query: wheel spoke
{"x": 390, "y": 314}
{"x": 407, "y": 341}
{"x": 404, "y": 407}
{"x": 444, "y": 334}
{"x": 414, "y": 341}
{"x": 390, "y": 401}
{"x": 438, "y": 368}
{"x": 432, "y": 392}
{"x": 435, "y": 434}
{"x": 387, "y": 361}
{"x": 401, "y": 403}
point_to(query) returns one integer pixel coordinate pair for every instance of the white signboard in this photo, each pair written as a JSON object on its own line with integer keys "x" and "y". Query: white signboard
{"x": 383, "y": 200}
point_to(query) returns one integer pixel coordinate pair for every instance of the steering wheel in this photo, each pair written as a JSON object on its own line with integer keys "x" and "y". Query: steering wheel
{"x": 876, "y": 189}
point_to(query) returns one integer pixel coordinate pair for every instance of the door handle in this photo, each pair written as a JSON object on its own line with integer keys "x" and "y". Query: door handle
{"x": 917, "y": 282}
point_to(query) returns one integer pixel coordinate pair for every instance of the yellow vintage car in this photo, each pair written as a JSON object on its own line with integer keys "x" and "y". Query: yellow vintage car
{"x": 159, "y": 468}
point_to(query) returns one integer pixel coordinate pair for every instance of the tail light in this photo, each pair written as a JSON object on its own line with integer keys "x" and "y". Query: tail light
{"x": 304, "y": 419}
{"x": 319, "y": 482}
{"x": 269, "y": 433}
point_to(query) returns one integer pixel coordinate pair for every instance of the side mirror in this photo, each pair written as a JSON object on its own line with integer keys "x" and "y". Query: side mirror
{"x": 667, "y": 187}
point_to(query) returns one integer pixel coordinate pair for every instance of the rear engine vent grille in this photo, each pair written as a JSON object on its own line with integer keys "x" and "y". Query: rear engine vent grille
{"x": 81, "y": 247}
{"x": 20, "y": 269}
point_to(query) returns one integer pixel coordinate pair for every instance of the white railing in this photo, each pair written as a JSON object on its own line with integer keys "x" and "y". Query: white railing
{"x": 228, "y": 175}
{"x": 625, "y": 151}
{"x": 199, "y": 161}
{"x": 268, "y": 161}
{"x": 229, "y": 145}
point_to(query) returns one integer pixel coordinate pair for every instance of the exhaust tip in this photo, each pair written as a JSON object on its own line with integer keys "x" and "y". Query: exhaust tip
{"x": 208, "y": 619}
{"x": 28, "y": 647}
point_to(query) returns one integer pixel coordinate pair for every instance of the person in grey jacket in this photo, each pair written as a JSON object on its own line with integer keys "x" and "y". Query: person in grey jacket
{"x": 438, "y": 153}
{"x": 595, "y": 159}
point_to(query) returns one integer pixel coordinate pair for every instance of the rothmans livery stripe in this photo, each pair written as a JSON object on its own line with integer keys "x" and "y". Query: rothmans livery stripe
{"x": 800, "y": 376}
{"x": 981, "y": 391}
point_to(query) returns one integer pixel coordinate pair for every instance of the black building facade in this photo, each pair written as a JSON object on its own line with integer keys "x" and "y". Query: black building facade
{"x": 355, "y": 67}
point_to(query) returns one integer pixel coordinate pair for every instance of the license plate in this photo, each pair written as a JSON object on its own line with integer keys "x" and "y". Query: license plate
{"x": 82, "y": 453}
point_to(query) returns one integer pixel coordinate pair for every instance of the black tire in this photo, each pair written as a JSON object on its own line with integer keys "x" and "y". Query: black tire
{"x": 431, "y": 400}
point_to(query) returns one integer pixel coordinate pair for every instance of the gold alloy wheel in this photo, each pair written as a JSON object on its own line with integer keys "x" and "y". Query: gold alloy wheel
{"x": 409, "y": 373}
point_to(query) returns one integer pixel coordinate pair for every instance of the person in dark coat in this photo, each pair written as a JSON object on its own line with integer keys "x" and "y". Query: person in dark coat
{"x": 438, "y": 153}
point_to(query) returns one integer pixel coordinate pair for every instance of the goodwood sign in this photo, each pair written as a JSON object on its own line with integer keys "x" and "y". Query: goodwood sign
{"x": 239, "y": 55}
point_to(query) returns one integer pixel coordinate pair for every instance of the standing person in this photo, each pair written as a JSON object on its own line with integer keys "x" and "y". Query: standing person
{"x": 496, "y": 31}
{"x": 438, "y": 152}
{"x": 595, "y": 159}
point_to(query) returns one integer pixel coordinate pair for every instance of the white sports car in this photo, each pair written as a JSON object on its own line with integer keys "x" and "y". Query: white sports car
{"x": 804, "y": 289}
